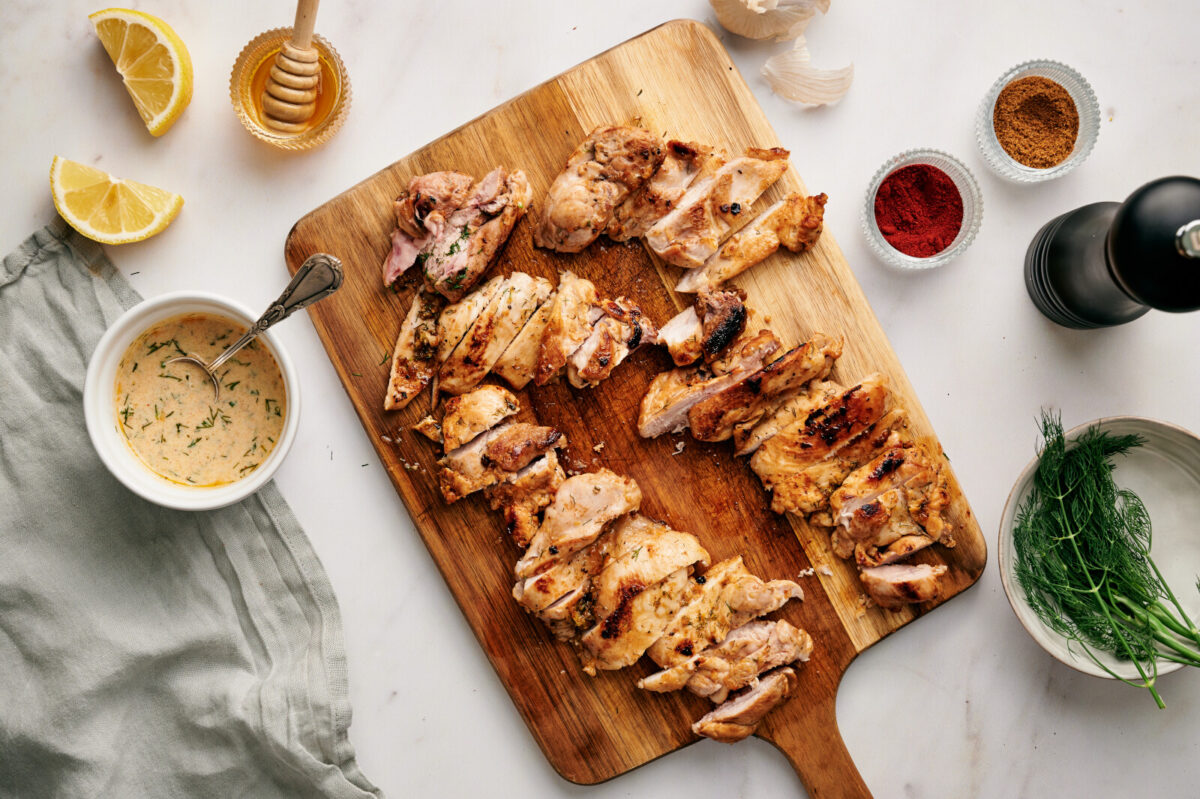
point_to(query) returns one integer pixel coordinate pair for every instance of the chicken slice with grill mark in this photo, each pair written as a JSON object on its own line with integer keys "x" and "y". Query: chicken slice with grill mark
{"x": 413, "y": 364}
{"x": 641, "y": 615}
{"x": 671, "y": 395}
{"x": 572, "y": 314}
{"x": 522, "y": 496}
{"x": 649, "y": 551}
{"x": 787, "y": 413}
{"x": 582, "y": 506}
{"x": 468, "y": 415}
{"x": 710, "y": 209}
{"x": 480, "y": 463}
{"x": 725, "y": 597}
{"x": 714, "y": 418}
{"x": 684, "y": 162}
{"x": 794, "y": 222}
{"x": 739, "y": 717}
{"x": 561, "y": 596}
{"x": 901, "y": 584}
{"x": 610, "y": 164}
{"x": 457, "y": 318}
{"x": 748, "y": 651}
{"x": 706, "y": 328}
{"x": 790, "y": 464}
{"x": 464, "y": 248}
{"x": 491, "y": 332}
{"x": 518, "y": 362}
{"x": 620, "y": 330}
{"x": 421, "y": 212}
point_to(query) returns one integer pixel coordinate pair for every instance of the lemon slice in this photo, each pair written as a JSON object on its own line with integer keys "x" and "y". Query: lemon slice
{"x": 108, "y": 209}
{"x": 153, "y": 61}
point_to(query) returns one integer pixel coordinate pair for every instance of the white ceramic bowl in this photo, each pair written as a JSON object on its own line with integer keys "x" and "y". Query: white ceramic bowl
{"x": 100, "y": 410}
{"x": 1165, "y": 473}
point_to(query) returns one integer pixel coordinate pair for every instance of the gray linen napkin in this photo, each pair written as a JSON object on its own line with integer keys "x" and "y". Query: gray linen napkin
{"x": 144, "y": 652}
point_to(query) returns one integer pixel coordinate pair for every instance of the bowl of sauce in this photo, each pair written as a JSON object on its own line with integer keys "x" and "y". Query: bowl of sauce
{"x": 158, "y": 426}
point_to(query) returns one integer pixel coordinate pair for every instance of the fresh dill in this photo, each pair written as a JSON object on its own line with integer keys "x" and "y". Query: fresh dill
{"x": 1082, "y": 547}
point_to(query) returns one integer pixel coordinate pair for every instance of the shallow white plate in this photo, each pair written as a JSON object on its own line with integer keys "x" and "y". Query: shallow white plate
{"x": 1165, "y": 473}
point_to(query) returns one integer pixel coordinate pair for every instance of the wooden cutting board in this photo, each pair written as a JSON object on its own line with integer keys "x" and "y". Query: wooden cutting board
{"x": 679, "y": 81}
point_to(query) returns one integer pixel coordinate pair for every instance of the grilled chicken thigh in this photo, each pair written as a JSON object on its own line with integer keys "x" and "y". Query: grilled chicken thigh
{"x": 787, "y": 413}
{"x": 457, "y": 318}
{"x": 748, "y": 651}
{"x": 572, "y": 313}
{"x": 683, "y": 163}
{"x": 471, "y": 414}
{"x": 583, "y": 505}
{"x": 429, "y": 199}
{"x": 705, "y": 329}
{"x": 560, "y": 596}
{"x": 900, "y": 584}
{"x": 713, "y": 206}
{"x": 713, "y": 418}
{"x": 649, "y": 551}
{"x": 794, "y": 222}
{"x": 413, "y": 363}
{"x": 518, "y": 362}
{"x": 620, "y": 330}
{"x": 739, "y": 717}
{"x": 611, "y": 163}
{"x": 523, "y": 495}
{"x": 492, "y": 456}
{"x": 638, "y": 620}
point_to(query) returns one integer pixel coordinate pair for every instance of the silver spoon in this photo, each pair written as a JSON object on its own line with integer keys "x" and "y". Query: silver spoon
{"x": 318, "y": 277}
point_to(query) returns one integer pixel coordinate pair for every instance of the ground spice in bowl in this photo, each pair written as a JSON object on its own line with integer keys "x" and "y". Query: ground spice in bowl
{"x": 1036, "y": 122}
{"x": 918, "y": 210}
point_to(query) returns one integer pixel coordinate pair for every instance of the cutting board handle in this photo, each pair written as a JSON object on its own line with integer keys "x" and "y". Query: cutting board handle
{"x": 806, "y": 732}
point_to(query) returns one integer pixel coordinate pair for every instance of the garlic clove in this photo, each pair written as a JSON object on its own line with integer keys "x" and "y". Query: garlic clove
{"x": 764, "y": 19}
{"x": 792, "y": 75}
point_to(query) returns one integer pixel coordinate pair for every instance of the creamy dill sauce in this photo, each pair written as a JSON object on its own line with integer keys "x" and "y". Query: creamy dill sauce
{"x": 167, "y": 411}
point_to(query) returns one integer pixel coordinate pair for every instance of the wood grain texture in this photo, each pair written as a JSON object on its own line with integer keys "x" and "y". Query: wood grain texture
{"x": 678, "y": 81}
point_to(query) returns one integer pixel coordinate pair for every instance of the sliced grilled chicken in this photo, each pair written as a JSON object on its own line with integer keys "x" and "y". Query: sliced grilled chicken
{"x": 421, "y": 213}
{"x": 492, "y": 331}
{"x": 705, "y": 329}
{"x": 457, "y": 318}
{"x": 683, "y": 163}
{"x": 736, "y": 662}
{"x": 480, "y": 463}
{"x": 582, "y": 506}
{"x": 740, "y": 716}
{"x": 619, "y": 331}
{"x": 430, "y": 428}
{"x": 788, "y": 413}
{"x": 649, "y": 551}
{"x": 611, "y": 163}
{"x": 469, "y": 415}
{"x": 890, "y": 507}
{"x": 640, "y": 616}
{"x": 723, "y": 598}
{"x": 519, "y": 360}
{"x": 413, "y": 363}
{"x": 573, "y": 312}
{"x": 794, "y": 222}
{"x": 713, "y": 418}
{"x": 673, "y": 394}
{"x": 683, "y": 336}
{"x": 901, "y": 584}
{"x": 522, "y": 496}
{"x": 783, "y": 462}
{"x": 466, "y": 245}
{"x": 712, "y": 207}
{"x": 556, "y": 595}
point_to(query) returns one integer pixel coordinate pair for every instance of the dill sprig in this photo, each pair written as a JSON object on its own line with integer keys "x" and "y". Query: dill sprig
{"x": 1082, "y": 547}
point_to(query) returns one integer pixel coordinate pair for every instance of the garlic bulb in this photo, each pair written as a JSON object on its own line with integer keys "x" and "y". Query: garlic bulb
{"x": 792, "y": 75}
{"x": 763, "y": 19}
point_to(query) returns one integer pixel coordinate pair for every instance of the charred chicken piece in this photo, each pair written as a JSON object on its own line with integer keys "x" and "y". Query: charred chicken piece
{"x": 481, "y": 463}
{"x": 620, "y": 330}
{"x": 640, "y": 616}
{"x": 740, "y": 716}
{"x": 522, "y": 496}
{"x": 713, "y": 207}
{"x": 611, "y": 163}
{"x": 413, "y": 359}
{"x": 683, "y": 163}
{"x": 471, "y": 414}
{"x": 901, "y": 584}
{"x": 705, "y": 329}
{"x": 786, "y": 413}
{"x": 794, "y": 222}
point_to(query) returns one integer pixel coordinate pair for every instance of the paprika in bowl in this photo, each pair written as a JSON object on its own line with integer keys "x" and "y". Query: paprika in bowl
{"x": 1039, "y": 121}
{"x": 923, "y": 208}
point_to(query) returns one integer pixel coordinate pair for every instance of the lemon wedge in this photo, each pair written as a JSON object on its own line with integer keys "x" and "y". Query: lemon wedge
{"x": 107, "y": 209}
{"x": 153, "y": 61}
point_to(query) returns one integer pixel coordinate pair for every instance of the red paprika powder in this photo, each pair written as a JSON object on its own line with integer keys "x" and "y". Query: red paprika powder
{"x": 918, "y": 210}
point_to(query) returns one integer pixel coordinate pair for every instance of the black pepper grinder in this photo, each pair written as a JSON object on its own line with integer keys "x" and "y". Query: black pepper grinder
{"x": 1109, "y": 263}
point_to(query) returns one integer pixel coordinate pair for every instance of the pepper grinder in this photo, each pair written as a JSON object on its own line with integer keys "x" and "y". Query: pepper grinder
{"x": 1109, "y": 263}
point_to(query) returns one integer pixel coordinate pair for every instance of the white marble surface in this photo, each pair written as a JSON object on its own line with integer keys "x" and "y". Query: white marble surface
{"x": 961, "y": 703}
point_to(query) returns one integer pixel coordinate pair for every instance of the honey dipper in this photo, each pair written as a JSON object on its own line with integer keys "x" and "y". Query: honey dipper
{"x": 290, "y": 97}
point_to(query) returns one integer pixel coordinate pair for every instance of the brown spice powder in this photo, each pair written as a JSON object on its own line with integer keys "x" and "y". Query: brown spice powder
{"x": 1036, "y": 122}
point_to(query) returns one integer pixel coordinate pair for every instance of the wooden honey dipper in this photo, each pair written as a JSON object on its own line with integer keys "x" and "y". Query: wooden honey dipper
{"x": 290, "y": 97}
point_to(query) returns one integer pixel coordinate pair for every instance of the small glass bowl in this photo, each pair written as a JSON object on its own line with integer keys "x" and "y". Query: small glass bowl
{"x": 972, "y": 200}
{"x": 248, "y": 79}
{"x": 1082, "y": 95}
